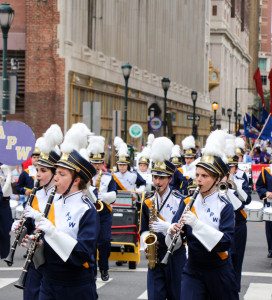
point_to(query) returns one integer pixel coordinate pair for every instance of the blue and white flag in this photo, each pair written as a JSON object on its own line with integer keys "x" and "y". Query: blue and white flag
{"x": 266, "y": 133}
{"x": 249, "y": 130}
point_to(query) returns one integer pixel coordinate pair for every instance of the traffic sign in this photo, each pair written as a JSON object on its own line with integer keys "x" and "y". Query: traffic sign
{"x": 191, "y": 117}
{"x": 155, "y": 123}
{"x": 135, "y": 131}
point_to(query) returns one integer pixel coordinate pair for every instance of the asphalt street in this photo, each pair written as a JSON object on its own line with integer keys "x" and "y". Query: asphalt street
{"x": 131, "y": 284}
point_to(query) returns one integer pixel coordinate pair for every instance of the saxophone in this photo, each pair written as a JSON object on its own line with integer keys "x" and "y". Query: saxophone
{"x": 99, "y": 204}
{"x": 151, "y": 238}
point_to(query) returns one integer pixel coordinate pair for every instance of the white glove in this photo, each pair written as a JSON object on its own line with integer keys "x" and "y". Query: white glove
{"x": 108, "y": 197}
{"x": 29, "y": 212}
{"x": 160, "y": 226}
{"x": 15, "y": 225}
{"x": 46, "y": 226}
{"x": 190, "y": 219}
{"x": 61, "y": 242}
{"x": 6, "y": 184}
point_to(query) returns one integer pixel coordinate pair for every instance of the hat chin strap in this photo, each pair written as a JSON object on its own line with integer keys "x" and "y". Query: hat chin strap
{"x": 46, "y": 185}
{"x": 69, "y": 187}
{"x": 211, "y": 186}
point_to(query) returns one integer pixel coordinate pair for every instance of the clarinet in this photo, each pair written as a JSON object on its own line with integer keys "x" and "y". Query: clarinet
{"x": 31, "y": 250}
{"x": 10, "y": 257}
{"x": 171, "y": 247}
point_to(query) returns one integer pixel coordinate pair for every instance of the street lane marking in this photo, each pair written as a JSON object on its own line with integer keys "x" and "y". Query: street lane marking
{"x": 143, "y": 296}
{"x": 100, "y": 283}
{"x": 256, "y": 274}
{"x": 6, "y": 281}
{"x": 260, "y": 291}
{"x": 11, "y": 269}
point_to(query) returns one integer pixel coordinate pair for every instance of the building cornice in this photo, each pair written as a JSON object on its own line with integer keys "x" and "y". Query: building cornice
{"x": 235, "y": 44}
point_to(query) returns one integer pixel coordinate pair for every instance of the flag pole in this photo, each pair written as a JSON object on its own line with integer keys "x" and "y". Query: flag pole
{"x": 261, "y": 131}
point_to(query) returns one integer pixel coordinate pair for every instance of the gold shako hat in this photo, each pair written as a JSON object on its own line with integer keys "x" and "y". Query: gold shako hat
{"x": 176, "y": 156}
{"x": 96, "y": 149}
{"x": 122, "y": 155}
{"x": 160, "y": 156}
{"x": 144, "y": 156}
{"x": 188, "y": 146}
{"x": 213, "y": 155}
{"x": 37, "y": 150}
{"x": 240, "y": 146}
{"x": 74, "y": 153}
{"x": 48, "y": 144}
{"x": 230, "y": 151}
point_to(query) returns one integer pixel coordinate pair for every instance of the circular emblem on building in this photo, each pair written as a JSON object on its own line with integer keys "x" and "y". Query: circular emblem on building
{"x": 136, "y": 131}
{"x": 155, "y": 123}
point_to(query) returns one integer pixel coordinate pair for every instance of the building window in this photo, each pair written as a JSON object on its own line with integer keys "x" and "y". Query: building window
{"x": 223, "y": 111}
{"x": 214, "y": 10}
{"x": 91, "y": 23}
{"x": 264, "y": 79}
{"x": 262, "y": 64}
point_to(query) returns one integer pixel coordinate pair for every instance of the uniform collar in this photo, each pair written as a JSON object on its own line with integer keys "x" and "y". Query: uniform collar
{"x": 208, "y": 198}
{"x": 70, "y": 196}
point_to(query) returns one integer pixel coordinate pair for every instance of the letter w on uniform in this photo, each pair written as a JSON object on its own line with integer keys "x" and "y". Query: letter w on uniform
{"x": 72, "y": 224}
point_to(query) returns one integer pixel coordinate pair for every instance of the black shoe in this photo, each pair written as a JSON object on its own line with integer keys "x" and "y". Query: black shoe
{"x": 269, "y": 255}
{"x": 105, "y": 275}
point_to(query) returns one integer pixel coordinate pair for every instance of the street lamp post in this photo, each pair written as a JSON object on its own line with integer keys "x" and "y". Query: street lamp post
{"x": 239, "y": 118}
{"x": 229, "y": 112}
{"x": 214, "y": 108}
{"x": 126, "y": 69}
{"x": 165, "y": 86}
{"x": 194, "y": 98}
{"x": 6, "y": 18}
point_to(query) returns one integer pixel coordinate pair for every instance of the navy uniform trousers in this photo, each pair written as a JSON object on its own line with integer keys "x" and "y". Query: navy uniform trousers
{"x": 104, "y": 239}
{"x": 238, "y": 249}
{"x": 51, "y": 291}
{"x": 5, "y": 226}
{"x": 32, "y": 284}
{"x": 198, "y": 284}
{"x": 163, "y": 282}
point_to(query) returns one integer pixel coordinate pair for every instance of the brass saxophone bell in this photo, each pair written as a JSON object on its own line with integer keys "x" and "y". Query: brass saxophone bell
{"x": 99, "y": 205}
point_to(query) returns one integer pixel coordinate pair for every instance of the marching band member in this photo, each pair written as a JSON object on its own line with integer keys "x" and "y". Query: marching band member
{"x": 209, "y": 228}
{"x": 70, "y": 241}
{"x": 144, "y": 162}
{"x": 26, "y": 179}
{"x": 125, "y": 179}
{"x": 179, "y": 181}
{"x": 49, "y": 155}
{"x": 239, "y": 195}
{"x": 264, "y": 190}
{"x": 189, "y": 153}
{"x": 157, "y": 213}
{"x": 5, "y": 210}
{"x": 106, "y": 188}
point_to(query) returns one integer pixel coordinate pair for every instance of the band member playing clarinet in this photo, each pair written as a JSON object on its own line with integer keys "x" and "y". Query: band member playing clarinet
{"x": 45, "y": 175}
{"x": 70, "y": 241}
{"x": 106, "y": 189}
{"x": 209, "y": 228}
{"x": 163, "y": 282}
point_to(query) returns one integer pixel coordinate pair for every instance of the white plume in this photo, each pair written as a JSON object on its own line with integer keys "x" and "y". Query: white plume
{"x": 40, "y": 142}
{"x": 96, "y": 145}
{"x": 230, "y": 145}
{"x": 161, "y": 149}
{"x": 84, "y": 153}
{"x": 76, "y": 138}
{"x": 117, "y": 142}
{"x": 176, "y": 152}
{"x": 150, "y": 139}
{"x": 240, "y": 143}
{"x": 146, "y": 152}
{"x": 188, "y": 142}
{"x": 123, "y": 150}
{"x": 51, "y": 138}
{"x": 216, "y": 144}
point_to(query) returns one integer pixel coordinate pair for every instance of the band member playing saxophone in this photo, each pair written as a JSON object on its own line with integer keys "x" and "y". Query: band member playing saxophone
{"x": 209, "y": 229}
{"x": 163, "y": 282}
